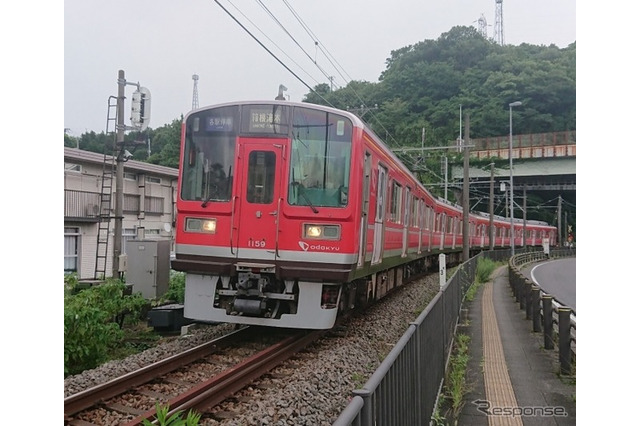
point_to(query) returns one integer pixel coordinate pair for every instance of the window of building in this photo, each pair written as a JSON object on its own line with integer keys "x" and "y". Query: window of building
{"x": 152, "y": 179}
{"x": 71, "y": 167}
{"x": 71, "y": 249}
{"x": 130, "y": 176}
{"x": 154, "y": 205}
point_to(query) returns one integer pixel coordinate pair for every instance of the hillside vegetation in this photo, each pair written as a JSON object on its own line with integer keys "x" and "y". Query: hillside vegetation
{"x": 423, "y": 87}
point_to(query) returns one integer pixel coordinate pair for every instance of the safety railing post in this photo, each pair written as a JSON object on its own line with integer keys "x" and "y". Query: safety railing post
{"x": 564, "y": 339}
{"x": 366, "y": 418}
{"x": 522, "y": 295}
{"x": 528, "y": 298}
{"x": 535, "y": 308}
{"x": 547, "y": 312}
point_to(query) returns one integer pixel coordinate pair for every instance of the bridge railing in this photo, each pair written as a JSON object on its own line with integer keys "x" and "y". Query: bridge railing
{"x": 532, "y": 140}
{"x": 535, "y": 145}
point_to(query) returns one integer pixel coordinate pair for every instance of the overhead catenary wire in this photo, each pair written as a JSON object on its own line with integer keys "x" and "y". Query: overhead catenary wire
{"x": 274, "y": 43}
{"x": 288, "y": 33}
{"x": 316, "y": 42}
{"x": 270, "y": 52}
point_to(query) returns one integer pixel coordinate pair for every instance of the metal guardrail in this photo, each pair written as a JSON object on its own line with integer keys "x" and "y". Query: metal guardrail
{"x": 548, "y": 315}
{"x": 404, "y": 389}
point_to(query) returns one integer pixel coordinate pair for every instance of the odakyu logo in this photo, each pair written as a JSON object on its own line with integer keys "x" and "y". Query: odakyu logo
{"x": 321, "y": 247}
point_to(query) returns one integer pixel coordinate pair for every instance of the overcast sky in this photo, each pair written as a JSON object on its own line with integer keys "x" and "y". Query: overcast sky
{"x": 161, "y": 44}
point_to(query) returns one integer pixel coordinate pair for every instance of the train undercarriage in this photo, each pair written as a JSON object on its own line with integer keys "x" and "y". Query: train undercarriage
{"x": 255, "y": 296}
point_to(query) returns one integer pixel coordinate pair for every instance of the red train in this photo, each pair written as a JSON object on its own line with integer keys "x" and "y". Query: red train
{"x": 292, "y": 213}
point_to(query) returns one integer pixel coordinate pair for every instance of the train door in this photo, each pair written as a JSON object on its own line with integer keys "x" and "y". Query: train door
{"x": 364, "y": 214}
{"x": 405, "y": 221}
{"x": 420, "y": 222}
{"x": 430, "y": 224}
{"x": 381, "y": 202}
{"x": 258, "y": 200}
{"x": 443, "y": 228}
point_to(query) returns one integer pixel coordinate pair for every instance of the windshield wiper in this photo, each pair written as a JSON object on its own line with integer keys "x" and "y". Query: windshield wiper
{"x": 309, "y": 203}
{"x": 210, "y": 197}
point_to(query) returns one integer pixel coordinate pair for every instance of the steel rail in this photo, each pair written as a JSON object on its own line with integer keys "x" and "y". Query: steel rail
{"x": 85, "y": 399}
{"x": 215, "y": 390}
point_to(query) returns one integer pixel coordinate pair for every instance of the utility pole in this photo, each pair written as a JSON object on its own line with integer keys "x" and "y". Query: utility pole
{"x": 119, "y": 151}
{"x": 524, "y": 217}
{"x": 446, "y": 174}
{"x": 465, "y": 191}
{"x": 491, "y": 196}
{"x": 560, "y": 221}
{"x": 140, "y": 114}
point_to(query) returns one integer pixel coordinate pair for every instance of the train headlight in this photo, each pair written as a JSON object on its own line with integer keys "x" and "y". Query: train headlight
{"x": 207, "y": 226}
{"x": 313, "y": 231}
{"x": 325, "y": 232}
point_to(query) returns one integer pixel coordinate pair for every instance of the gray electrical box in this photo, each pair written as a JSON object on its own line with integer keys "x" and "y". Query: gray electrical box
{"x": 148, "y": 265}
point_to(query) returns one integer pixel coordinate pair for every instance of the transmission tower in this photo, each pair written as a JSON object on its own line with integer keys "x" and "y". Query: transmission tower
{"x": 482, "y": 25}
{"x": 498, "y": 30}
{"x": 194, "y": 103}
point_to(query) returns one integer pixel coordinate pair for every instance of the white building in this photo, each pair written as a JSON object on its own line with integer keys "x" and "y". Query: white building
{"x": 148, "y": 208}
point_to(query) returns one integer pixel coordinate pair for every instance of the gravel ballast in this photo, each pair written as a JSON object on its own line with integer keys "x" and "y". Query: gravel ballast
{"x": 311, "y": 389}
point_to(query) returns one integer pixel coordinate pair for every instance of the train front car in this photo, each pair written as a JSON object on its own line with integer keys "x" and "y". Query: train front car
{"x": 265, "y": 215}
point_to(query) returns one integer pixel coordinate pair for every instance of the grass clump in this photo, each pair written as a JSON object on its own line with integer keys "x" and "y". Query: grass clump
{"x": 176, "y": 419}
{"x": 484, "y": 269}
{"x": 455, "y": 388}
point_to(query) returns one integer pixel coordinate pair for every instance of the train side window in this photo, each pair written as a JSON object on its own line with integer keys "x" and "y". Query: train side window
{"x": 414, "y": 212}
{"x": 396, "y": 203}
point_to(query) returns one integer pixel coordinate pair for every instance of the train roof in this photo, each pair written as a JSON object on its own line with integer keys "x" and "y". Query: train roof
{"x": 356, "y": 120}
{"x": 358, "y": 123}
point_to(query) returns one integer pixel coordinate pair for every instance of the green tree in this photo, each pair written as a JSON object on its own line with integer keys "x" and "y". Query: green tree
{"x": 166, "y": 145}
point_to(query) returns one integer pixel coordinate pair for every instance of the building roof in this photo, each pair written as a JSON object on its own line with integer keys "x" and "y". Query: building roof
{"x": 74, "y": 154}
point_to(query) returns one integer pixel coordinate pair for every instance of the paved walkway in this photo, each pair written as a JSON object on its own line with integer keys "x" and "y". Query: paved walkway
{"x": 513, "y": 380}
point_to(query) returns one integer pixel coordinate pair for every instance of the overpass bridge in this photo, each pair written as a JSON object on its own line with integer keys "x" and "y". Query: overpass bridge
{"x": 544, "y": 176}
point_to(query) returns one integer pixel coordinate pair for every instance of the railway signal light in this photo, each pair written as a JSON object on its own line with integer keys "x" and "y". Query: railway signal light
{"x": 141, "y": 108}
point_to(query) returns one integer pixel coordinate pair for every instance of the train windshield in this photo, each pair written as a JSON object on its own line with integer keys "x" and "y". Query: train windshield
{"x": 320, "y": 159}
{"x": 209, "y": 153}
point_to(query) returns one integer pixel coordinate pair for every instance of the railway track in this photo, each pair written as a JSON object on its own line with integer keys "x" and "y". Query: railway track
{"x": 196, "y": 379}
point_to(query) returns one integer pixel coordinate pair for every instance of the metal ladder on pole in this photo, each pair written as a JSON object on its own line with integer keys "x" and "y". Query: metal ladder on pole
{"x": 106, "y": 194}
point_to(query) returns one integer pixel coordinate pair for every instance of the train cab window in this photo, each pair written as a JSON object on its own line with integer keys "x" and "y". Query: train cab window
{"x": 209, "y": 155}
{"x": 320, "y": 159}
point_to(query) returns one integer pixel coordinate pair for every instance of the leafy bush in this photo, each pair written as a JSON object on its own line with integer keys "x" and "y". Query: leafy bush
{"x": 175, "y": 292}
{"x": 485, "y": 269}
{"x": 93, "y": 319}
